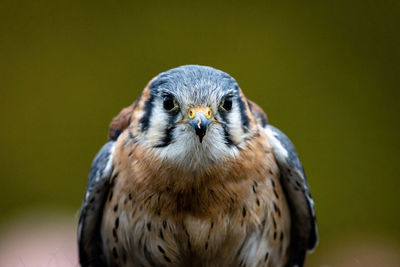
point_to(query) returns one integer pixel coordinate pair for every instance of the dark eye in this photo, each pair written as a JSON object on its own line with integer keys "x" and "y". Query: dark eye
{"x": 168, "y": 103}
{"x": 227, "y": 104}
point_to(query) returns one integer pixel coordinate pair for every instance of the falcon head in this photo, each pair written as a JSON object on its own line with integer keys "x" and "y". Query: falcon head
{"x": 193, "y": 116}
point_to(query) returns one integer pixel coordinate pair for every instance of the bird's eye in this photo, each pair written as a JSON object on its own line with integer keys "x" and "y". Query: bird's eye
{"x": 226, "y": 104}
{"x": 169, "y": 103}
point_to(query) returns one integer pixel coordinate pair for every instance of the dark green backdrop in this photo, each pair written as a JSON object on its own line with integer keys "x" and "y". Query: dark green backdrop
{"x": 327, "y": 74}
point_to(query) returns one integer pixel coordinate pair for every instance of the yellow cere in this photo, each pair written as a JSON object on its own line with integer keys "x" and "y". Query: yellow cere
{"x": 205, "y": 110}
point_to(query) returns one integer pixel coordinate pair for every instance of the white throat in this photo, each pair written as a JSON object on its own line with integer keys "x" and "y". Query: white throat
{"x": 187, "y": 152}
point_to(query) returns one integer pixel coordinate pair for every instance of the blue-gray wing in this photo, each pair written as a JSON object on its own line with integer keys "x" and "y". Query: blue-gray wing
{"x": 89, "y": 237}
{"x": 304, "y": 236}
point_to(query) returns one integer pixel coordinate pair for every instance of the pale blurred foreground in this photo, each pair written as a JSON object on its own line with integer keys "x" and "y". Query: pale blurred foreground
{"x": 39, "y": 240}
{"x": 46, "y": 239}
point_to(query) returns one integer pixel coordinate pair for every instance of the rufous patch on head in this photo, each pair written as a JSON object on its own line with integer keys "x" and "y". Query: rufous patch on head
{"x": 129, "y": 114}
{"x": 244, "y": 99}
{"x": 258, "y": 113}
{"x": 120, "y": 122}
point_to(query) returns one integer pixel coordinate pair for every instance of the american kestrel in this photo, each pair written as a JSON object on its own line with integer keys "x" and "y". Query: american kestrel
{"x": 193, "y": 175}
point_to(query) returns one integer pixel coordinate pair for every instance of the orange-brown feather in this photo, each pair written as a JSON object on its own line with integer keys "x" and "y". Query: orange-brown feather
{"x": 245, "y": 189}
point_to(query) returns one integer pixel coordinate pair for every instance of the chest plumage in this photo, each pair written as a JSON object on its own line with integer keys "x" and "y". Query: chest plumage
{"x": 235, "y": 214}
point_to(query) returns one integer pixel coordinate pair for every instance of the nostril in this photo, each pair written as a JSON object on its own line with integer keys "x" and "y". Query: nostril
{"x": 191, "y": 113}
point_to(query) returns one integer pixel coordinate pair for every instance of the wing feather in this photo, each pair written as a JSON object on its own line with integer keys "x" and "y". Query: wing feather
{"x": 89, "y": 237}
{"x": 304, "y": 235}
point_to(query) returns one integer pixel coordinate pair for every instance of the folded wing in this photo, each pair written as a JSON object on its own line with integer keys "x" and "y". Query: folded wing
{"x": 89, "y": 237}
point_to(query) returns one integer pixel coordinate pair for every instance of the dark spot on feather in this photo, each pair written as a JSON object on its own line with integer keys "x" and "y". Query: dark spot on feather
{"x": 149, "y": 226}
{"x": 92, "y": 200}
{"x": 115, "y": 253}
{"x": 273, "y": 182}
{"x": 164, "y": 224}
{"x": 270, "y": 172}
{"x": 111, "y": 195}
{"x": 161, "y": 249}
{"x": 244, "y": 211}
{"x": 114, "y": 232}
{"x": 116, "y": 223}
{"x": 130, "y": 196}
{"x": 125, "y": 201}
{"x": 254, "y": 189}
{"x": 116, "y": 207}
{"x": 274, "y": 222}
{"x": 275, "y": 235}
{"x": 206, "y": 246}
{"x": 298, "y": 184}
{"x": 161, "y": 235}
{"x": 277, "y": 210}
{"x": 212, "y": 225}
{"x": 167, "y": 259}
{"x": 281, "y": 236}
{"x": 276, "y": 194}
{"x": 258, "y": 202}
{"x": 266, "y": 256}
{"x": 130, "y": 153}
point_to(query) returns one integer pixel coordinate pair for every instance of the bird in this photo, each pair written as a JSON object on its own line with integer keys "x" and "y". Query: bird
{"x": 193, "y": 174}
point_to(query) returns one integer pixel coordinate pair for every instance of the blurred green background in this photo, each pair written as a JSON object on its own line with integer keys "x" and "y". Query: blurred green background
{"x": 326, "y": 73}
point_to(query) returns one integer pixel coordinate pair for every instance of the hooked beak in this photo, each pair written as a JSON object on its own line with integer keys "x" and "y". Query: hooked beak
{"x": 200, "y": 120}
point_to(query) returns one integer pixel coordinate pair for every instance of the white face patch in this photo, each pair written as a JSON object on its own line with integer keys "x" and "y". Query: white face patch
{"x": 186, "y": 151}
{"x": 158, "y": 124}
{"x": 235, "y": 124}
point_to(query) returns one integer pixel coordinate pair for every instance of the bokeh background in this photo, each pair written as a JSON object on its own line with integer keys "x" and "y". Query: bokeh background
{"x": 326, "y": 73}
